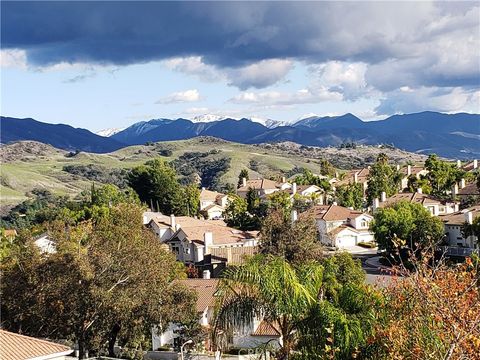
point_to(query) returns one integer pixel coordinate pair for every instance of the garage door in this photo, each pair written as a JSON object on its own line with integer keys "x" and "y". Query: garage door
{"x": 347, "y": 241}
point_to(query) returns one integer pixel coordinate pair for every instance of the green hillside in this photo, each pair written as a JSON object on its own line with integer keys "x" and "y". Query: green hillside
{"x": 28, "y": 165}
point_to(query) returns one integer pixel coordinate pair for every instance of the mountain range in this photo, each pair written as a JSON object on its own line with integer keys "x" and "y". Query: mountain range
{"x": 448, "y": 135}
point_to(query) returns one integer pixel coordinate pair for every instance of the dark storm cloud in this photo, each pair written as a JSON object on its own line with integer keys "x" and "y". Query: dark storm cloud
{"x": 423, "y": 41}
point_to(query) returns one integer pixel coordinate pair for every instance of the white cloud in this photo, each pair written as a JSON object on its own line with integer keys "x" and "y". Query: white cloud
{"x": 260, "y": 74}
{"x": 303, "y": 96}
{"x": 13, "y": 58}
{"x": 257, "y": 75}
{"x": 346, "y": 78}
{"x": 181, "y": 97}
{"x": 429, "y": 98}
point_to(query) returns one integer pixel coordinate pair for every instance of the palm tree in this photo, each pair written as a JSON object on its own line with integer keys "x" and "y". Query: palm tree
{"x": 269, "y": 288}
{"x": 312, "y": 305}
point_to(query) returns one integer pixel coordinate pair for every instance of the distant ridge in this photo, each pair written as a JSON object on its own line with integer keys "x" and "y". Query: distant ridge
{"x": 58, "y": 135}
{"x": 448, "y": 135}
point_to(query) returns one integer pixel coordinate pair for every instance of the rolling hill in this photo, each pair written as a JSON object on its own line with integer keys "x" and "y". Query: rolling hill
{"x": 27, "y": 165}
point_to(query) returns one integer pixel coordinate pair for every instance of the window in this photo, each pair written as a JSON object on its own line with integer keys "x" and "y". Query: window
{"x": 175, "y": 249}
{"x": 186, "y": 250}
{"x": 363, "y": 223}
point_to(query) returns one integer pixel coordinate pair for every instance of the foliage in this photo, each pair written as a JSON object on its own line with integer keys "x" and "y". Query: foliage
{"x": 406, "y": 225}
{"x": 208, "y": 165}
{"x": 307, "y": 178}
{"x": 98, "y": 173}
{"x": 243, "y": 174}
{"x": 297, "y": 241}
{"x": 326, "y": 168}
{"x": 442, "y": 175}
{"x": 382, "y": 178}
{"x": 433, "y": 313}
{"x": 110, "y": 280}
{"x": 237, "y": 215}
{"x": 415, "y": 183}
{"x": 296, "y": 300}
{"x": 472, "y": 229}
{"x": 350, "y": 195}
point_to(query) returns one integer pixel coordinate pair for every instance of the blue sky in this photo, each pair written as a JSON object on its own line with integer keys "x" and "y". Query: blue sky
{"x": 101, "y": 65}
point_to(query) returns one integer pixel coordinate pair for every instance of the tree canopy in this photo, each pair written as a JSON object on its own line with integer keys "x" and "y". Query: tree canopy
{"x": 108, "y": 280}
{"x": 382, "y": 178}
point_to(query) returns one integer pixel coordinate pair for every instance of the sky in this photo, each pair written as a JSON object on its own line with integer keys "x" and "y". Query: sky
{"x": 110, "y": 64}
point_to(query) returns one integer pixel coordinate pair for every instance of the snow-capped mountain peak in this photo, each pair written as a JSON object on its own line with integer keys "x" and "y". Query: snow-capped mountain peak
{"x": 207, "y": 118}
{"x": 109, "y": 132}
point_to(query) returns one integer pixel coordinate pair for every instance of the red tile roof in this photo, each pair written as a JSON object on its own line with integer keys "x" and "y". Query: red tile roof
{"x": 415, "y": 197}
{"x": 266, "y": 329}
{"x": 205, "y": 289}
{"x": 20, "y": 347}
{"x": 258, "y": 184}
{"x": 333, "y": 212}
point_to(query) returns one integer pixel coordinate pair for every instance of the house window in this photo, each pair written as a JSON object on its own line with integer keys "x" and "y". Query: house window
{"x": 363, "y": 223}
{"x": 175, "y": 249}
{"x": 186, "y": 250}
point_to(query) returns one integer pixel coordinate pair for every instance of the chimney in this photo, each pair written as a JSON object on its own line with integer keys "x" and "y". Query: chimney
{"x": 469, "y": 217}
{"x": 294, "y": 188}
{"x": 462, "y": 183}
{"x": 206, "y": 274}
{"x": 420, "y": 190}
{"x": 456, "y": 207}
{"x": 177, "y": 227}
{"x": 208, "y": 241}
{"x": 409, "y": 170}
{"x": 398, "y": 167}
{"x": 459, "y": 163}
{"x": 320, "y": 199}
{"x": 336, "y": 175}
{"x": 455, "y": 190}
{"x": 383, "y": 196}
{"x": 334, "y": 203}
{"x": 355, "y": 177}
{"x": 376, "y": 204}
{"x": 244, "y": 182}
{"x": 203, "y": 188}
{"x": 173, "y": 223}
{"x": 475, "y": 163}
{"x": 294, "y": 215}
{"x": 283, "y": 179}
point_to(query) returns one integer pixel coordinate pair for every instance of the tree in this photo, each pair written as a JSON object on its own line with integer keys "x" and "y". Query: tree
{"x": 472, "y": 229}
{"x": 406, "y": 225}
{"x": 415, "y": 183}
{"x": 237, "y": 215}
{"x": 243, "y": 175}
{"x": 294, "y": 299}
{"x": 442, "y": 175}
{"x": 156, "y": 183}
{"x": 326, "y": 168}
{"x": 350, "y": 195}
{"x": 110, "y": 280}
{"x": 191, "y": 197}
{"x": 280, "y": 200}
{"x": 432, "y": 313}
{"x": 382, "y": 178}
{"x": 296, "y": 241}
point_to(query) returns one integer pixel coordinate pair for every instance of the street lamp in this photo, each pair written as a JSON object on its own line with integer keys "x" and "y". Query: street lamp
{"x": 185, "y": 343}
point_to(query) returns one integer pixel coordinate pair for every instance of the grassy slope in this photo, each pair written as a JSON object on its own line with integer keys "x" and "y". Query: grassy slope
{"x": 29, "y": 165}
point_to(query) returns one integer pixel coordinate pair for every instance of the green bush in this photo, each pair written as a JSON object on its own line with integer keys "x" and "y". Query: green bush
{"x": 368, "y": 245}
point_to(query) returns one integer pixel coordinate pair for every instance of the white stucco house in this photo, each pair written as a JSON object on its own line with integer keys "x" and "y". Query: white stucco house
{"x": 341, "y": 227}
{"x": 213, "y": 204}
{"x": 453, "y": 227}
{"x": 263, "y": 187}
{"x": 435, "y": 206}
{"x": 206, "y": 244}
{"x": 259, "y": 332}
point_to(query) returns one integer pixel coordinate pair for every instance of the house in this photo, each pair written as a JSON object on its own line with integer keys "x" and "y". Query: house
{"x": 453, "y": 227}
{"x": 409, "y": 170}
{"x": 205, "y": 306}
{"x": 470, "y": 166}
{"x": 20, "y": 347}
{"x": 308, "y": 191}
{"x": 463, "y": 191}
{"x": 341, "y": 227}
{"x": 359, "y": 176}
{"x": 205, "y": 244}
{"x": 260, "y": 331}
{"x": 213, "y": 203}
{"x": 262, "y": 187}
{"x": 435, "y": 206}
